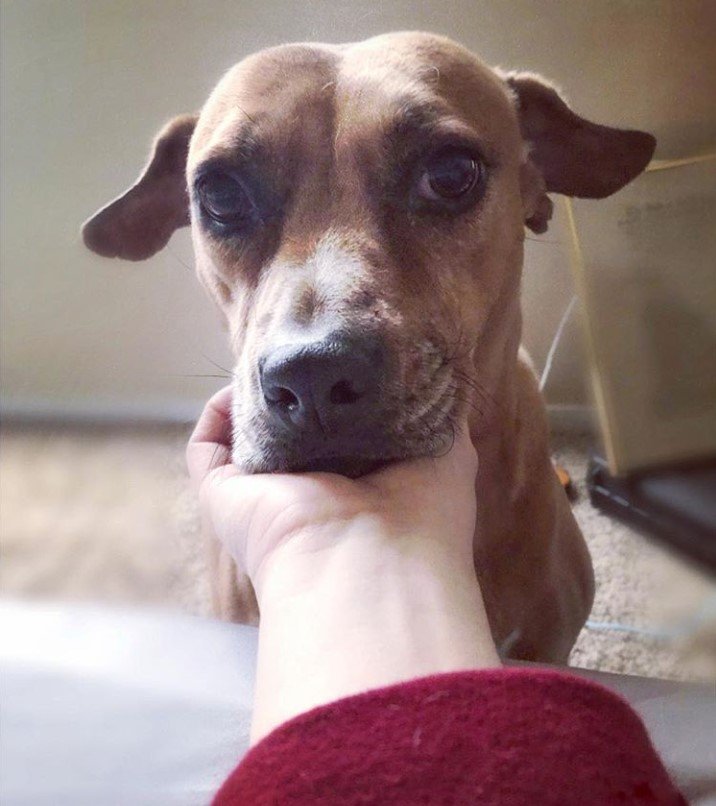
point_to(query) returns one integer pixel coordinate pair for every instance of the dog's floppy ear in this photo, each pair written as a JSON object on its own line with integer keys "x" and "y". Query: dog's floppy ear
{"x": 139, "y": 223}
{"x": 574, "y": 156}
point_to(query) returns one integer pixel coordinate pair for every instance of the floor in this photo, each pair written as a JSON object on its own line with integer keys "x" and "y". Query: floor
{"x": 106, "y": 514}
{"x": 653, "y": 614}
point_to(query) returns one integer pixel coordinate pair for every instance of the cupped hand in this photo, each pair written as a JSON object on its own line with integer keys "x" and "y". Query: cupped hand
{"x": 256, "y": 516}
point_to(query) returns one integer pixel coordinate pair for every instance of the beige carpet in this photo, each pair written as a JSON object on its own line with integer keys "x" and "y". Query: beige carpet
{"x": 105, "y": 514}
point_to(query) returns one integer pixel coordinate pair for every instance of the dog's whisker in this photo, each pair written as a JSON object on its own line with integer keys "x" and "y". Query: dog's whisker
{"x": 429, "y": 404}
{"x": 460, "y": 349}
{"x": 179, "y": 260}
{"x": 470, "y": 404}
{"x": 229, "y": 372}
{"x": 471, "y": 383}
{"x": 453, "y": 437}
{"x": 445, "y": 406}
{"x": 477, "y": 387}
{"x": 203, "y": 375}
{"x": 213, "y": 456}
{"x": 245, "y": 113}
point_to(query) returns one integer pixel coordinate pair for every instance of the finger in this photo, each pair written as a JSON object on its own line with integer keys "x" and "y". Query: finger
{"x": 250, "y": 514}
{"x": 210, "y": 443}
{"x": 214, "y": 424}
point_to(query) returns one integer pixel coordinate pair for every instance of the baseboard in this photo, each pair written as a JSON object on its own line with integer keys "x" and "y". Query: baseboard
{"x": 100, "y": 412}
{"x": 562, "y": 418}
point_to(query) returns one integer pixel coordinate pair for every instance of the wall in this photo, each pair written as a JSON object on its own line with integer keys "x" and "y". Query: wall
{"x": 85, "y": 84}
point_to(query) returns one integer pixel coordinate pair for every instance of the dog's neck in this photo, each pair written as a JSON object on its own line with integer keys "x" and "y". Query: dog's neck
{"x": 495, "y": 368}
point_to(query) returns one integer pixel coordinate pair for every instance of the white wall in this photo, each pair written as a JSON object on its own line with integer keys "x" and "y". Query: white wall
{"x": 86, "y": 83}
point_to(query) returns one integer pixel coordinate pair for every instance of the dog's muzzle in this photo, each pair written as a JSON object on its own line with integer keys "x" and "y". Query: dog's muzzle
{"x": 327, "y": 389}
{"x": 340, "y": 404}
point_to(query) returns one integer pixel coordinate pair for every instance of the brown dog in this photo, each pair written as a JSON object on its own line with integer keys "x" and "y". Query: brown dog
{"x": 358, "y": 214}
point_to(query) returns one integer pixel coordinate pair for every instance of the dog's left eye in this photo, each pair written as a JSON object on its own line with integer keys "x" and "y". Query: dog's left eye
{"x": 225, "y": 200}
{"x": 450, "y": 176}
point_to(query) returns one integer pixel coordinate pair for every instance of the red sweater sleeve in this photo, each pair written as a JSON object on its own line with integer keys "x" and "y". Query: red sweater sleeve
{"x": 503, "y": 736}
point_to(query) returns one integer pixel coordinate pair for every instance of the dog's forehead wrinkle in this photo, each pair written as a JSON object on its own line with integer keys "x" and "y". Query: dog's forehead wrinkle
{"x": 428, "y": 59}
{"x": 424, "y": 64}
{"x": 397, "y": 111}
{"x": 266, "y": 89}
{"x": 271, "y": 69}
{"x": 385, "y": 97}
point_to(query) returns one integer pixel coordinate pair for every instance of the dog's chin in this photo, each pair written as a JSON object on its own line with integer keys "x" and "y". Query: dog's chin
{"x": 352, "y": 455}
{"x": 353, "y": 461}
{"x": 352, "y": 467}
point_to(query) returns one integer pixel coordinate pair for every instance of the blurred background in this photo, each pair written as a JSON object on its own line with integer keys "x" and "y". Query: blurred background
{"x": 106, "y": 364}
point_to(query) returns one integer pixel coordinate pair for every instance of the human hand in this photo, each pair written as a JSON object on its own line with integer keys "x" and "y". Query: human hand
{"x": 302, "y": 515}
{"x": 360, "y": 582}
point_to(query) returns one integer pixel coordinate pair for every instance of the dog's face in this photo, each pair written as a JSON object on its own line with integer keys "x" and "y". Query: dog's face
{"x": 358, "y": 215}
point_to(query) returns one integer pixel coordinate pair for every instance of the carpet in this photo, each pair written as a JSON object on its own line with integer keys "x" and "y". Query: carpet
{"x": 105, "y": 513}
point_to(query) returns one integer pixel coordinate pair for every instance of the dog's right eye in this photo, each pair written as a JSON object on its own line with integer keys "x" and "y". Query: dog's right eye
{"x": 225, "y": 201}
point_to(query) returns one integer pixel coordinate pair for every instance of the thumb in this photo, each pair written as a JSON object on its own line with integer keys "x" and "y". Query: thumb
{"x": 251, "y": 515}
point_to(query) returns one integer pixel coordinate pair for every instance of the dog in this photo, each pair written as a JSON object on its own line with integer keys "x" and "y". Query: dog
{"x": 358, "y": 214}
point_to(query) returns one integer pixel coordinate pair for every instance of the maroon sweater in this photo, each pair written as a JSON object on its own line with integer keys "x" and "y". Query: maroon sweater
{"x": 503, "y": 736}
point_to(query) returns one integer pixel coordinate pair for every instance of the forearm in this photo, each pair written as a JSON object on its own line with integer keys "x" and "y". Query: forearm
{"x": 371, "y": 610}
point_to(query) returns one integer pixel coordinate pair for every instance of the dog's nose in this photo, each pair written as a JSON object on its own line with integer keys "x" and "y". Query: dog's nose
{"x": 327, "y": 385}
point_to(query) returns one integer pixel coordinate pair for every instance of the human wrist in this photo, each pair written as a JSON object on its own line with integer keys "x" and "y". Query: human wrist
{"x": 375, "y": 607}
{"x": 357, "y": 550}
